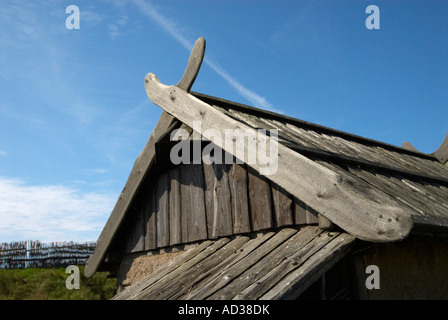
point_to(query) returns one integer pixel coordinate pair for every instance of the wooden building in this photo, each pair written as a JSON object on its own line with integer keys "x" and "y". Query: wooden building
{"x": 336, "y": 205}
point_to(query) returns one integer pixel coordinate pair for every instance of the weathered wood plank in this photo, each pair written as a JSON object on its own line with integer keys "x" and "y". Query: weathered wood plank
{"x": 174, "y": 288}
{"x": 408, "y": 163}
{"x": 197, "y": 229}
{"x": 282, "y": 204}
{"x": 226, "y": 199}
{"x": 144, "y": 283}
{"x": 303, "y": 214}
{"x": 304, "y": 273}
{"x": 333, "y": 194}
{"x": 435, "y": 192}
{"x": 352, "y": 149}
{"x": 240, "y": 200}
{"x": 193, "y": 220}
{"x": 163, "y": 223}
{"x": 324, "y": 223}
{"x": 209, "y": 197}
{"x": 336, "y": 144}
{"x": 222, "y": 207}
{"x": 266, "y": 124}
{"x": 348, "y": 151}
{"x": 245, "y": 109}
{"x": 141, "y": 166}
{"x": 133, "y": 229}
{"x": 237, "y": 274}
{"x": 300, "y": 213}
{"x": 383, "y": 156}
{"x": 260, "y": 201}
{"x": 156, "y": 289}
{"x": 422, "y": 201}
{"x": 128, "y": 232}
{"x": 193, "y": 66}
{"x": 224, "y": 273}
{"x": 150, "y": 220}
{"x": 359, "y": 271}
{"x": 185, "y": 196}
{"x": 249, "y": 120}
{"x": 302, "y": 136}
{"x": 302, "y": 246}
{"x": 138, "y": 232}
{"x": 175, "y": 207}
{"x": 302, "y": 241}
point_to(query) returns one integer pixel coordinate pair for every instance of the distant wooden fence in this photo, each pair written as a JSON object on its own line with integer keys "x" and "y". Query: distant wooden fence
{"x": 35, "y": 254}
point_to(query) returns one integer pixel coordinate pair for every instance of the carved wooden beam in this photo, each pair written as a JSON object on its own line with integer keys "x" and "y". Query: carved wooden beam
{"x": 193, "y": 66}
{"x": 408, "y": 146}
{"x": 440, "y": 154}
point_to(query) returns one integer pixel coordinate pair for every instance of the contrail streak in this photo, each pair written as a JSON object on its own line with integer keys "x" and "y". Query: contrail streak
{"x": 170, "y": 27}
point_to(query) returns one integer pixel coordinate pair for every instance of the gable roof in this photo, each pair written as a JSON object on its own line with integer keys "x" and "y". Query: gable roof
{"x": 418, "y": 181}
{"x": 273, "y": 265}
{"x": 372, "y": 190}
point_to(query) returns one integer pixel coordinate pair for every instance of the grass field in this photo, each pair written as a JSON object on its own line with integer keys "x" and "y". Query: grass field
{"x": 49, "y": 284}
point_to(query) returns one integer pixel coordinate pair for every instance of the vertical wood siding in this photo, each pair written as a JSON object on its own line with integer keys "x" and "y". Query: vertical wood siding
{"x": 194, "y": 202}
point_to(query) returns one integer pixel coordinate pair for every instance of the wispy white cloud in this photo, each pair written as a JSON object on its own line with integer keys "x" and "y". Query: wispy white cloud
{"x": 97, "y": 170}
{"x": 170, "y": 26}
{"x": 176, "y": 33}
{"x": 115, "y": 29}
{"x": 3, "y": 153}
{"x": 33, "y": 54}
{"x": 50, "y": 212}
{"x": 92, "y": 17}
{"x": 254, "y": 98}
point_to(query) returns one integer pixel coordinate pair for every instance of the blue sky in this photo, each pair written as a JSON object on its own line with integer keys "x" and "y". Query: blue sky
{"x": 74, "y": 114}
